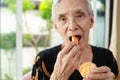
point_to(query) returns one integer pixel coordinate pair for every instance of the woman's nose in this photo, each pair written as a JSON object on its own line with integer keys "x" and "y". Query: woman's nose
{"x": 72, "y": 25}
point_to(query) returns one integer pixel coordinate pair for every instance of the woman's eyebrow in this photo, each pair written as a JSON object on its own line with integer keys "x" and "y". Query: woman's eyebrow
{"x": 62, "y": 15}
{"x": 80, "y": 11}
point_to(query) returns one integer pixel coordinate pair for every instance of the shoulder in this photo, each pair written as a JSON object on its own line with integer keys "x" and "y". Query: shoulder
{"x": 45, "y": 61}
{"x": 53, "y": 51}
{"x": 101, "y": 51}
{"x": 102, "y": 56}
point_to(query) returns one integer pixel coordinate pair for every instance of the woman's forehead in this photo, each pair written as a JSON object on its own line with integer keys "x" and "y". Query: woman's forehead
{"x": 67, "y": 6}
{"x": 73, "y": 3}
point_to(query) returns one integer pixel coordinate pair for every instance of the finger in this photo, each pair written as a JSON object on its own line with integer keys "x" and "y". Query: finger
{"x": 66, "y": 49}
{"x": 100, "y": 76}
{"x": 102, "y": 69}
{"x": 73, "y": 52}
{"x": 63, "y": 57}
{"x": 69, "y": 58}
{"x": 77, "y": 55}
{"x": 76, "y": 60}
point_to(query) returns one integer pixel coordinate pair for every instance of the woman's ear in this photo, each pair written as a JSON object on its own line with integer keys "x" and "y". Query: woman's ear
{"x": 54, "y": 25}
{"x": 92, "y": 20}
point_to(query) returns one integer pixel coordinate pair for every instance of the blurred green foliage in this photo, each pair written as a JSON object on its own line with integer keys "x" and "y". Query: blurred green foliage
{"x": 11, "y": 5}
{"x": 45, "y": 12}
{"x": 45, "y": 9}
{"x": 102, "y": 1}
{"x": 27, "y": 5}
{"x": 27, "y": 37}
{"x": 8, "y": 41}
{"x": 7, "y": 77}
{"x": 26, "y": 70}
{"x": 41, "y": 41}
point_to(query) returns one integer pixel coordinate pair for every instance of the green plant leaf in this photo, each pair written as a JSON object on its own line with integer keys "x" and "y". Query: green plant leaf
{"x": 8, "y": 41}
{"x": 27, "y": 5}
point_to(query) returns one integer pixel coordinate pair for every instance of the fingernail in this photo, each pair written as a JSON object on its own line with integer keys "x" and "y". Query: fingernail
{"x": 87, "y": 76}
{"x": 93, "y": 70}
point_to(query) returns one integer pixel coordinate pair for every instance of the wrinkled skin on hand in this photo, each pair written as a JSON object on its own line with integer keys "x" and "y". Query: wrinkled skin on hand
{"x": 100, "y": 73}
{"x": 67, "y": 61}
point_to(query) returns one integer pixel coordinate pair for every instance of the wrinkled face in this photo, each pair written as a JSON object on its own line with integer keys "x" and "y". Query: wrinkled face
{"x": 72, "y": 19}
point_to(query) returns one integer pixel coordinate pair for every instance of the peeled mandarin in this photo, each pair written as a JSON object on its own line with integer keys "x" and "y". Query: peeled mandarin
{"x": 74, "y": 39}
{"x": 86, "y": 68}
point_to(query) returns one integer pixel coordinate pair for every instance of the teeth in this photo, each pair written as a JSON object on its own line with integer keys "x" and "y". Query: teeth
{"x": 75, "y": 38}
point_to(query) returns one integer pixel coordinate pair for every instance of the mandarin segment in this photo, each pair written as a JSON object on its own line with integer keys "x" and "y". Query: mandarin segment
{"x": 86, "y": 68}
{"x": 74, "y": 39}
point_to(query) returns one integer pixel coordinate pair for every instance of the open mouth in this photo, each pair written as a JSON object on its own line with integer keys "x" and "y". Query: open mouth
{"x": 77, "y": 36}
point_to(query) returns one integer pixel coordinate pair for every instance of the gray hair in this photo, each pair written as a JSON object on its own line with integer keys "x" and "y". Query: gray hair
{"x": 55, "y": 2}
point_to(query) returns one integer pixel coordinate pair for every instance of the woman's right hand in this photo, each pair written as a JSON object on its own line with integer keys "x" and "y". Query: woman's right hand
{"x": 67, "y": 61}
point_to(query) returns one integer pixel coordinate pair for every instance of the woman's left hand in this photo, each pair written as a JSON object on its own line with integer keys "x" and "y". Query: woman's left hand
{"x": 101, "y": 73}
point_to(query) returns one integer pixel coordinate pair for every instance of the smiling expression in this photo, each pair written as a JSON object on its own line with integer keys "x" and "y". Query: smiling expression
{"x": 72, "y": 19}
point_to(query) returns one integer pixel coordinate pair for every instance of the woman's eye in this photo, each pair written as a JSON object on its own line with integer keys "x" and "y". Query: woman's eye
{"x": 63, "y": 19}
{"x": 80, "y": 15}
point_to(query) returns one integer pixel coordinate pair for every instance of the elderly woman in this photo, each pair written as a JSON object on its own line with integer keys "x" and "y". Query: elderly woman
{"x": 62, "y": 62}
